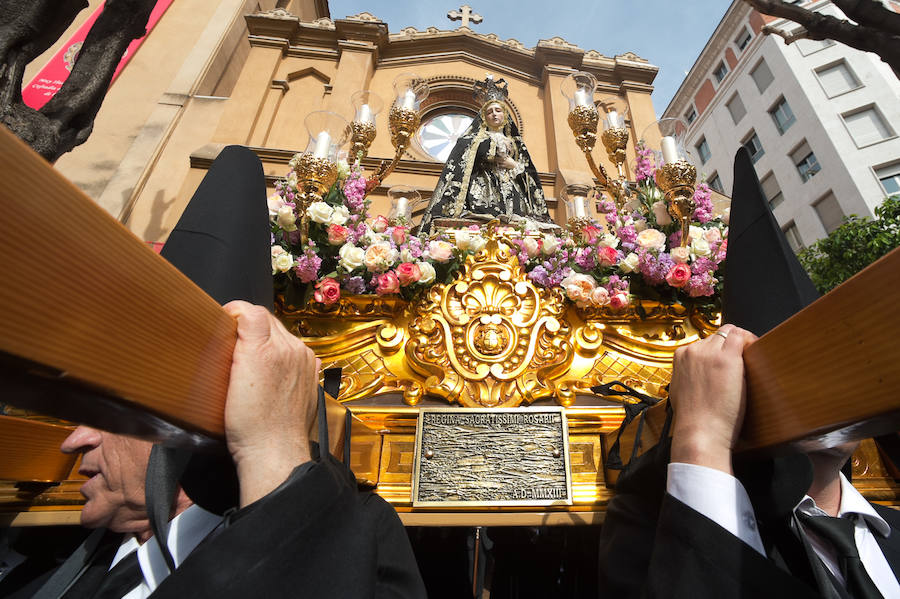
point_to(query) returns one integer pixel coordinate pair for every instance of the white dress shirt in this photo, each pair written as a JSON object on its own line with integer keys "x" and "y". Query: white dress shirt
{"x": 186, "y": 530}
{"x": 723, "y": 499}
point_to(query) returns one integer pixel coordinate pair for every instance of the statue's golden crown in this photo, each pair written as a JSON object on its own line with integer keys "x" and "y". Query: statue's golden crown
{"x": 490, "y": 90}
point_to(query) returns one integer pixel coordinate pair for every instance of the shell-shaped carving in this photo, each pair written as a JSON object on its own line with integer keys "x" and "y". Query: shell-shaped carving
{"x": 491, "y": 337}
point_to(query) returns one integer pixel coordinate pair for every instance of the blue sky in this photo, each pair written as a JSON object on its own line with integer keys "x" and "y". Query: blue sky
{"x": 668, "y": 33}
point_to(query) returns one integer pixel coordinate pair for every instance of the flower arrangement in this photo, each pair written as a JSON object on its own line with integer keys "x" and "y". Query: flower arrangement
{"x": 347, "y": 252}
{"x": 635, "y": 253}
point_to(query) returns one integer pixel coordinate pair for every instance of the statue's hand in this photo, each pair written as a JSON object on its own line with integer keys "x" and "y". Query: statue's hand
{"x": 508, "y": 163}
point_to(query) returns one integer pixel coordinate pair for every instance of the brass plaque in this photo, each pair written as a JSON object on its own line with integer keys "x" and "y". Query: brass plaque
{"x": 485, "y": 457}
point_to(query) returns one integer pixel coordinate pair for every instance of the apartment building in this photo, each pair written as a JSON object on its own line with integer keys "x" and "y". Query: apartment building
{"x": 820, "y": 119}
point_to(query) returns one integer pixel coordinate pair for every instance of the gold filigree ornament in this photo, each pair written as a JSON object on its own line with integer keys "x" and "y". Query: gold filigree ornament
{"x": 490, "y": 338}
{"x": 315, "y": 175}
{"x": 615, "y": 140}
{"x": 362, "y": 134}
{"x": 676, "y": 180}
{"x": 583, "y": 122}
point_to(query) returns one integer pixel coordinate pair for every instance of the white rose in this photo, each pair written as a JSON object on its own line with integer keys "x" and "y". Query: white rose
{"x": 652, "y": 239}
{"x": 680, "y": 255}
{"x": 696, "y": 232}
{"x": 579, "y": 287}
{"x": 532, "y": 248}
{"x": 427, "y": 271}
{"x": 462, "y": 240}
{"x": 380, "y": 257}
{"x": 551, "y": 245}
{"x": 477, "y": 243}
{"x": 699, "y": 246}
{"x": 630, "y": 263}
{"x": 282, "y": 263}
{"x": 275, "y": 203}
{"x": 661, "y": 213}
{"x": 286, "y": 219}
{"x": 320, "y": 212}
{"x": 406, "y": 255}
{"x": 339, "y": 216}
{"x": 351, "y": 256}
{"x": 608, "y": 240}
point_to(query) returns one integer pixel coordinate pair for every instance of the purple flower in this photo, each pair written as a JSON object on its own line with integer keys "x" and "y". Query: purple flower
{"x": 703, "y": 205}
{"x": 355, "y": 285}
{"x": 654, "y": 269}
{"x": 701, "y": 285}
{"x": 586, "y": 258}
{"x": 308, "y": 264}
{"x": 539, "y": 276}
{"x": 355, "y": 192}
{"x": 644, "y": 167}
{"x": 702, "y": 266}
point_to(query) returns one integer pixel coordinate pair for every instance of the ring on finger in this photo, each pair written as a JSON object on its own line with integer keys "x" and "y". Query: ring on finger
{"x": 722, "y": 334}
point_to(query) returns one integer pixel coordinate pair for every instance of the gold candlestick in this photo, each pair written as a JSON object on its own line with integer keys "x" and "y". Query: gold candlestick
{"x": 615, "y": 140}
{"x": 676, "y": 180}
{"x": 362, "y": 134}
{"x": 315, "y": 176}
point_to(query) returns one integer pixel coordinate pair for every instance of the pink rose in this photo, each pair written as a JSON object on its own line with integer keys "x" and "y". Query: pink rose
{"x": 618, "y": 301}
{"x": 440, "y": 251}
{"x": 590, "y": 233}
{"x": 607, "y": 256}
{"x": 578, "y": 287}
{"x": 408, "y": 273}
{"x": 380, "y": 224}
{"x": 600, "y": 296}
{"x": 337, "y": 234}
{"x": 388, "y": 283}
{"x": 678, "y": 275}
{"x": 328, "y": 291}
{"x": 713, "y": 235}
{"x": 398, "y": 234}
{"x": 532, "y": 247}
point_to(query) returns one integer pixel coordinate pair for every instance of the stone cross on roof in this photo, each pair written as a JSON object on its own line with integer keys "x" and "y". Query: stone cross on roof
{"x": 465, "y": 15}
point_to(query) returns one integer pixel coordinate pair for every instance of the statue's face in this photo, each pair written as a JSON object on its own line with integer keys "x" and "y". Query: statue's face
{"x": 494, "y": 115}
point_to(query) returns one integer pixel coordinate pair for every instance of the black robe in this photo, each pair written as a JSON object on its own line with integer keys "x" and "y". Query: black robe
{"x": 653, "y": 545}
{"x": 472, "y": 186}
{"x": 316, "y": 536}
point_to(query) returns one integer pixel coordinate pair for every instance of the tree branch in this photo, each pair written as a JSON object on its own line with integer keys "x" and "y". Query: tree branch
{"x": 821, "y": 26}
{"x": 870, "y": 13}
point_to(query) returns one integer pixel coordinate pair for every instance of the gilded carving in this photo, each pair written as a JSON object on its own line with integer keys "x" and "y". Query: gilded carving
{"x": 490, "y": 338}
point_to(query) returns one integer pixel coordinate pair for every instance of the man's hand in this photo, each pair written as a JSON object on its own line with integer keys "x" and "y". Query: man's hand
{"x": 271, "y": 401}
{"x": 708, "y": 394}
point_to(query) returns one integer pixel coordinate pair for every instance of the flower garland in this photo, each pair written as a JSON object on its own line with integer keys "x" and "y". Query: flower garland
{"x": 637, "y": 254}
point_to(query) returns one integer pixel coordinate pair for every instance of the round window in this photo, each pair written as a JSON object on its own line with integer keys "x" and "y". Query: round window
{"x": 438, "y": 134}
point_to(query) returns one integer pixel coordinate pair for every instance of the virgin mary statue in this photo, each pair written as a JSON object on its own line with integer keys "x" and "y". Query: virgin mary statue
{"x": 489, "y": 173}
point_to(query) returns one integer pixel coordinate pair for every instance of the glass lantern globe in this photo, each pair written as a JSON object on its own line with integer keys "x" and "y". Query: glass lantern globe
{"x": 410, "y": 91}
{"x": 366, "y": 106}
{"x": 579, "y": 88}
{"x": 672, "y": 133}
{"x": 327, "y": 133}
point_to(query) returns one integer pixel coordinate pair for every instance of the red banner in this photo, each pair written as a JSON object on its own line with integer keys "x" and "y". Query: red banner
{"x": 48, "y": 81}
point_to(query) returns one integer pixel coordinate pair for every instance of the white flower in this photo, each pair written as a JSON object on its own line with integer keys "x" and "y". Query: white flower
{"x": 696, "y": 232}
{"x": 551, "y": 245}
{"x": 532, "y": 247}
{"x": 462, "y": 239}
{"x": 661, "y": 213}
{"x": 640, "y": 225}
{"x": 380, "y": 257}
{"x": 630, "y": 263}
{"x": 286, "y": 219}
{"x": 351, "y": 256}
{"x": 339, "y": 216}
{"x": 275, "y": 203}
{"x": 282, "y": 261}
{"x": 343, "y": 170}
{"x": 406, "y": 255}
{"x": 608, "y": 240}
{"x": 578, "y": 287}
{"x": 652, "y": 239}
{"x": 699, "y": 246}
{"x": 477, "y": 243}
{"x": 427, "y": 271}
{"x": 680, "y": 255}
{"x": 320, "y": 212}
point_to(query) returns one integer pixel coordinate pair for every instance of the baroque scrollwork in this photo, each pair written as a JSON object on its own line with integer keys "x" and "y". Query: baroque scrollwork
{"x": 490, "y": 338}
